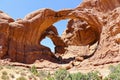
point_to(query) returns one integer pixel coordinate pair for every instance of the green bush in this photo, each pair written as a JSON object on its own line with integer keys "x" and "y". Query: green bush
{"x": 77, "y": 76}
{"x": 21, "y": 78}
{"x": 5, "y": 77}
{"x": 114, "y": 73}
{"x": 93, "y": 76}
{"x": 63, "y": 74}
{"x": 33, "y": 69}
{"x": 40, "y": 74}
{"x": 1, "y": 67}
{"x": 49, "y": 77}
{"x": 88, "y": 76}
{"x": 4, "y": 73}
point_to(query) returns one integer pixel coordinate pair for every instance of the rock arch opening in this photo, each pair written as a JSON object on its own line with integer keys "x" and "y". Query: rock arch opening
{"x": 60, "y": 28}
{"x": 48, "y": 43}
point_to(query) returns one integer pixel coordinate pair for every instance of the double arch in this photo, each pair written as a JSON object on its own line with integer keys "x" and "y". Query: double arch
{"x": 25, "y": 34}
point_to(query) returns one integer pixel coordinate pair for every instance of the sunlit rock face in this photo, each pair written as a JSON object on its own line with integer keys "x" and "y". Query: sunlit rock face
{"x": 107, "y": 12}
{"x": 80, "y": 33}
{"x": 92, "y": 21}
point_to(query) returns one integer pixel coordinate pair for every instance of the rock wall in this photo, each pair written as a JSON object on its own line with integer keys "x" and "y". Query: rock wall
{"x": 108, "y": 33}
{"x": 92, "y": 21}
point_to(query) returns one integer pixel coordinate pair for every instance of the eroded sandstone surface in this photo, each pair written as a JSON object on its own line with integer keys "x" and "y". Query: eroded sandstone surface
{"x": 92, "y": 35}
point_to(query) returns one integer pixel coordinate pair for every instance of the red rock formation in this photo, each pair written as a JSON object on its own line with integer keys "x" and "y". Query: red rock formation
{"x": 106, "y": 13}
{"x": 92, "y": 21}
{"x": 79, "y": 33}
{"x": 4, "y": 33}
{"x": 22, "y": 43}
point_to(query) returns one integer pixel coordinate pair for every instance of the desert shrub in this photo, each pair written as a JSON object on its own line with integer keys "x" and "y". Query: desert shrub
{"x": 5, "y": 77}
{"x": 88, "y": 76}
{"x": 34, "y": 71}
{"x": 93, "y": 76}
{"x": 115, "y": 69}
{"x": 21, "y": 78}
{"x": 12, "y": 76}
{"x": 49, "y": 77}
{"x": 114, "y": 73}
{"x": 1, "y": 67}
{"x": 42, "y": 74}
{"x": 4, "y": 73}
{"x": 61, "y": 74}
{"x": 9, "y": 67}
{"x": 77, "y": 76}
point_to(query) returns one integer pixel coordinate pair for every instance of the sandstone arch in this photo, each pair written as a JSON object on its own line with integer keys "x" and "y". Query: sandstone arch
{"x": 22, "y": 42}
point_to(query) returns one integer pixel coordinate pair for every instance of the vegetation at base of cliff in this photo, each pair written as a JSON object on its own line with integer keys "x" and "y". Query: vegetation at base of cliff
{"x": 60, "y": 74}
{"x": 114, "y": 73}
{"x": 34, "y": 70}
{"x": 63, "y": 74}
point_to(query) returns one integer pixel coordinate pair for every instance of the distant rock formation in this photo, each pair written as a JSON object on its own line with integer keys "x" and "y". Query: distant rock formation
{"x": 92, "y": 21}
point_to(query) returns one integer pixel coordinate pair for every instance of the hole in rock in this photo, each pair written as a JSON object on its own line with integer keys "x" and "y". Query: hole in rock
{"x": 48, "y": 43}
{"x": 60, "y": 26}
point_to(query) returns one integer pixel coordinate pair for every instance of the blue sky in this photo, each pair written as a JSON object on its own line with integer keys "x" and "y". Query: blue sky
{"x": 20, "y": 8}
